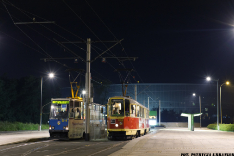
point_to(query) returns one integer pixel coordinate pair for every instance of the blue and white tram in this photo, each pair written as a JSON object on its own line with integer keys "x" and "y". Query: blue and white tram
{"x": 67, "y": 117}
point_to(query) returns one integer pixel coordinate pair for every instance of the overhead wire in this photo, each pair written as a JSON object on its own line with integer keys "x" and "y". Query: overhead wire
{"x": 90, "y": 30}
{"x": 46, "y": 54}
{"x": 25, "y": 33}
{"x": 23, "y": 11}
{"x": 123, "y": 49}
{"x": 110, "y": 32}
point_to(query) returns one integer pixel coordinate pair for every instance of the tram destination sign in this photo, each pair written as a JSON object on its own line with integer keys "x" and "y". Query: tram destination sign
{"x": 117, "y": 100}
{"x": 60, "y": 102}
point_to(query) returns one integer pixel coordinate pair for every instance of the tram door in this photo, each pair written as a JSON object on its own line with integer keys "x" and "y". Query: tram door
{"x": 76, "y": 119}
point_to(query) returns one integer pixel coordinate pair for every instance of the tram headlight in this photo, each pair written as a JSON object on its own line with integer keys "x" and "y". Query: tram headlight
{"x": 65, "y": 127}
{"x": 50, "y": 127}
{"x": 116, "y": 125}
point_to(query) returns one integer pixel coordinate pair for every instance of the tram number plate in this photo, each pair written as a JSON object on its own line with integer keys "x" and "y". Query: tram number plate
{"x": 112, "y": 121}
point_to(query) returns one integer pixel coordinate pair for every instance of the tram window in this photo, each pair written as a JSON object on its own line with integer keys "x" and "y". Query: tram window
{"x": 117, "y": 107}
{"x": 127, "y": 103}
{"x": 77, "y": 110}
{"x": 71, "y": 110}
{"x": 97, "y": 112}
{"x": 138, "y": 111}
{"x": 71, "y": 104}
{"x": 59, "y": 111}
{"x": 77, "y": 104}
{"x": 133, "y": 110}
{"x": 142, "y": 113}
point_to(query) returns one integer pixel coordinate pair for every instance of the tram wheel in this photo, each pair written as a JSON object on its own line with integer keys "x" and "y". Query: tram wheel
{"x": 136, "y": 134}
{"x": 131, "y": 137}
{"x": 139, "y": 133}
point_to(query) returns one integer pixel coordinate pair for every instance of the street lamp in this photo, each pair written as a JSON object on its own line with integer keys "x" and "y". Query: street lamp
{"x": 200, "y": 106}
{"x": 51, "y": 75}
{"x": 209, "y": 79}
{"x": 227, "y": 83}
{"x": 83, "y": 92}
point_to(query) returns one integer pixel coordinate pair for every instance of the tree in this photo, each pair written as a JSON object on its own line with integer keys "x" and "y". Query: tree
{"x": 20, "y": 99}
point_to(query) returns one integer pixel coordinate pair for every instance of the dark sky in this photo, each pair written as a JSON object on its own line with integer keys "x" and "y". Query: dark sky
{"x": 175, "y": 41}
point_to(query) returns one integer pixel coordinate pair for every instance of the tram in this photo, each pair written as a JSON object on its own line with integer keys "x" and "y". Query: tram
{"x": 67, "y": 118}
{"x": 126, "y": 118}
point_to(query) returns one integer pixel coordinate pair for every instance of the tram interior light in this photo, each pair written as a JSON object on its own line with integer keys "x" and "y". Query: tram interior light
{"x": 152, "y": 122}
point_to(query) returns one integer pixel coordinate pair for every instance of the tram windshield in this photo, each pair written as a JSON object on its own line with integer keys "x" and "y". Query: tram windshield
{"x": 59, "y": 110}
{"x": 117, "y": 107}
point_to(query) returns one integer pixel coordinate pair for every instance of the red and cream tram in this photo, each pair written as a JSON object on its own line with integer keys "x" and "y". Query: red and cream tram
{"x": 126, "y": 118}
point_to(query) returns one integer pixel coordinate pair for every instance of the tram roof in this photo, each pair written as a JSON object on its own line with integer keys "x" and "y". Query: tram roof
{"x": 65, "y": 99}
{"x": 68, "y": 99}
{"x": 129, "y": 98}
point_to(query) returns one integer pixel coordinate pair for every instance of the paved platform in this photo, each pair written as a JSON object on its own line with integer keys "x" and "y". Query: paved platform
{"x": 22, "y": 136}
{"x": 174, "y": 141}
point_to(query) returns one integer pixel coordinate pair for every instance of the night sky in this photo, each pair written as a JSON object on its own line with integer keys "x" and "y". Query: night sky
{"x": 175, "y": 41}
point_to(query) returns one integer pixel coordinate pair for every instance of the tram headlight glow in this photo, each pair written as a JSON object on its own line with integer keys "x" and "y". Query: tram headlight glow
{"x": 116, "y": 125}
{"x": 50, "y": 127}
{"x": 65, "y": 127}
{"x": 152, "y": 122}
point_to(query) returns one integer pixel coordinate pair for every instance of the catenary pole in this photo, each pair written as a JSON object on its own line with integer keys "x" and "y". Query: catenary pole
{"x": 136, "y": 92}
{"x": 148, "y": 102}
{"x": 200, "y": 109}
{"x": 159, "y": 112}
{"x": 41, "y": 105}
{"x": 87, "y": 88}
{"x": 218, "y": 104}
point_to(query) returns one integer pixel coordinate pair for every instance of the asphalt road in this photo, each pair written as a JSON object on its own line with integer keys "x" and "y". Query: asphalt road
{"x": 60, "y": 148}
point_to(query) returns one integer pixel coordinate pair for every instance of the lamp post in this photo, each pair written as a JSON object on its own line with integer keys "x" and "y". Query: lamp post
{"x": 200, "y": 106}
{"x": 221, "y": 116}
{"x": 209, "y": 79}
{"x": 51, "y": 75}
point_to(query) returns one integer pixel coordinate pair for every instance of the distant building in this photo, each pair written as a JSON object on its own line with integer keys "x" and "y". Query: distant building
{"x": 179, "y": 97}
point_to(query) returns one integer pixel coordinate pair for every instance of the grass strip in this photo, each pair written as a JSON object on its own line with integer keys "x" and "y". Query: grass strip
{"x": 19, "y": 126}
{"x": 222, "y": 127}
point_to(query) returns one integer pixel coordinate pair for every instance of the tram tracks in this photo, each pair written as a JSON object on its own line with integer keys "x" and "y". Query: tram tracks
{"x": 54, "y": 148}
{"x": 25, "y": 144}
{"x": 72, "y": 150}
{"x": 34, "y": 149}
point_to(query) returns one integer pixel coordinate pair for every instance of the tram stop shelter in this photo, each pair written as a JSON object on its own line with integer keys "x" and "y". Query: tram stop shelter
{"x": 190, "y": 119}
